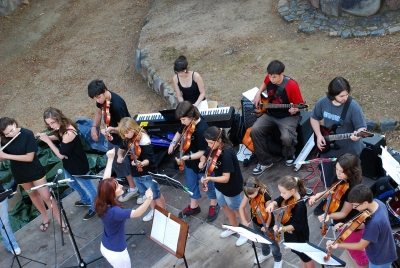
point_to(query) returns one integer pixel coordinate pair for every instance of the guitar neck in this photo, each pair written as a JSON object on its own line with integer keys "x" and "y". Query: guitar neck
{"x": 338, "y": 137}
{"x": 277, "y": 106}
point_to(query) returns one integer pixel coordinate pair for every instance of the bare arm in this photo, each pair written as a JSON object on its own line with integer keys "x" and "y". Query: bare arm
{"x": 242, "y": 210}
{"x": 143, "y": 207}
{"x": 176, "y": 88}
{"x": 96, "y": 122}
{"x": 317, "y": 132}
{"x": 110, "y": 159}
{"x": 257, "y": 97}
{"x": 200, "y": 84}
{"x": 22, "y": 158}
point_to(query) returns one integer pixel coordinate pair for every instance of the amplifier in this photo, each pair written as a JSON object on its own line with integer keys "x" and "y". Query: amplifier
{"x": 248, "y": 114}
{"x": 371, "y": 163}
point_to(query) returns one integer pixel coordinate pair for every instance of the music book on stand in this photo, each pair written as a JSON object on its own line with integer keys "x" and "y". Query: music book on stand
{"x": 169, "y": 232}
{"x": 316, "y": 253}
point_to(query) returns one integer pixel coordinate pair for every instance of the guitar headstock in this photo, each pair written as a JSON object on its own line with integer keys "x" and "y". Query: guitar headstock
{"x": 301, "y": 106}
{"x": 365, "y": 134}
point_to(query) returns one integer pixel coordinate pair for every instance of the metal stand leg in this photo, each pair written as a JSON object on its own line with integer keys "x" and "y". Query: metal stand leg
{"x": 255, "y": 253}
{"x": 333, "y": 233}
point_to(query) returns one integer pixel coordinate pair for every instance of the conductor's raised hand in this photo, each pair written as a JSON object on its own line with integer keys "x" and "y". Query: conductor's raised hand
{"x": 149, "y": 194}
{"x": 111, "y": 153}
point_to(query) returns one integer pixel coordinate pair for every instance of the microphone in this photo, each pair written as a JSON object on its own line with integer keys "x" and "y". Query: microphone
{"x": 59, "y": 171}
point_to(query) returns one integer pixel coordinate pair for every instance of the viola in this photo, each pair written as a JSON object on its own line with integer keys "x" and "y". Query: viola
{"x": 184, "y": 142}
{"x": 106, "y": 118}
{"x": 212, "y": 158}
{"x": 284, "y": 215}
{"x": 134, "y": 147}
{"x": 258, "y": 205}
{"x": 351, "y": 226}
{"x": 333, "y": 202}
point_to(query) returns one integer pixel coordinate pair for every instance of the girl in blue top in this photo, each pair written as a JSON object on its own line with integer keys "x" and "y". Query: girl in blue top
{"x": 113, "y": 216}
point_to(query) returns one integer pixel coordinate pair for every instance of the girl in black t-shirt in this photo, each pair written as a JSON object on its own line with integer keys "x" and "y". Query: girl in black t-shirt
{"x": 295, "y": 229}
{"x": 227, "y": 176}
{"x": 26, "y": 167}
{"x": 258, "y": 197}
{"x": 347, "y": 169}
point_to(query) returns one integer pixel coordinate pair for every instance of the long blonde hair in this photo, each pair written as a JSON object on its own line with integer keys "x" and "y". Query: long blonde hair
{"x": 127, "y": 124}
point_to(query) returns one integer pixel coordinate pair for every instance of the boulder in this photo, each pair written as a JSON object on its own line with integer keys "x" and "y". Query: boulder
{"x": 331, "y": 7}
{"x": 362, "y": 8}
{"x": 315, "y": 3}
{"x": 392, "y": 4}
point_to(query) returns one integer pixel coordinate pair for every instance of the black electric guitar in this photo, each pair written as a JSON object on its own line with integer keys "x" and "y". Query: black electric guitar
{"x": 265, "y": 105}
{"x": 330, "y": 137}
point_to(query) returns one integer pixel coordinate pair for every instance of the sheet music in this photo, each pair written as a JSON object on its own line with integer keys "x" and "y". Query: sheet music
{"x": 165, "y": 230}
{"x": 250, "y": 235}
{"x": 250, "y": 94}
{"x": 390, "y": 165}
{"x": 314, "y": 253}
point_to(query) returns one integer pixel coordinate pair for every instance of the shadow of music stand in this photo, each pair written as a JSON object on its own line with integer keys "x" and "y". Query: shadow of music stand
{"x": 3, "y": 196}
{"x": 250, "y": 234}
{"x": 316, "y": 253}
{"x": 164, "y": 223}
{"x": 81, "y": 261}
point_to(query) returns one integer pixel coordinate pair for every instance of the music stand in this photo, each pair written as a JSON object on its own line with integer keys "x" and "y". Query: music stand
{"x": 3, "y": 196}
{"x": 171, "y": 182}
{"x": 250, "y": 234}
{"x": 316, "y": 253}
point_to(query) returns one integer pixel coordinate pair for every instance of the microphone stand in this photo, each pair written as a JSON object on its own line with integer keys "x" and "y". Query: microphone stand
{"x": 3, "y": 196}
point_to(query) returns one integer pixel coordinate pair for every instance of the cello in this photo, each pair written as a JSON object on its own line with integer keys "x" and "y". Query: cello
{"x": 351, "y": 226}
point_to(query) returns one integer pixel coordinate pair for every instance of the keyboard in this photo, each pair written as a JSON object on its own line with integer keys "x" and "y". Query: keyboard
{"x": 154, "y": 123}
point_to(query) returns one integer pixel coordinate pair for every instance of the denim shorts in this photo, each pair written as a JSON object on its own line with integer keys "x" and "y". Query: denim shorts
{"x": 192, "y": 182}
{"x": 145, "y": 182}
{"x": 233, "y": 203}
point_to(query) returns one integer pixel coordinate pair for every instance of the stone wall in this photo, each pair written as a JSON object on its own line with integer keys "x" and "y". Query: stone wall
{"x": 363, "y": 8}
{"x": 8, "y": 6}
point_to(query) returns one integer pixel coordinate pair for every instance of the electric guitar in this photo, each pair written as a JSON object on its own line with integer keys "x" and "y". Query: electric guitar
{"x": 330, "y": 137}
{"x": 264, "y": 105}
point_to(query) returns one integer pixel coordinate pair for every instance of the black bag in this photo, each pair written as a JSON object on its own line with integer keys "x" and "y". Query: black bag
{"x": 383, "y": 188}
{"x": 236, "y": 133}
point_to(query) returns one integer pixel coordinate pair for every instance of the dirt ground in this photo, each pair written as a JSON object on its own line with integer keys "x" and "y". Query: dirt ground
{"x": 51, "y": 50}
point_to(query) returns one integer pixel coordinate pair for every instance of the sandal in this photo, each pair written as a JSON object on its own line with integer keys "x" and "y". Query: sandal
{"x": 65, "y": 230}
{"x": 43, "y": 227}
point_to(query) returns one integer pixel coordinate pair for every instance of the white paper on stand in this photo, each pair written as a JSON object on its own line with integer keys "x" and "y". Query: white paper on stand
{"x": 314, "y": 253}
{"x": 250, "y": 94}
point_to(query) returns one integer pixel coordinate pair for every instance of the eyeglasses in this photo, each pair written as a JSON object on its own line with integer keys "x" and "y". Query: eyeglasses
{"x": 11, "y": 131}
{"x": 356, "y": 206}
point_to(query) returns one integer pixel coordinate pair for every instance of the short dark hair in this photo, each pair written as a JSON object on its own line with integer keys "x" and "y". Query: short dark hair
{"x": 337, "y": 86}
{"x": 96, "y": 87}
{"x": 187, "y": 109}
{"x": 181, "y": 64}
{"x": 360, "y": 193}
{"x": 213, "y": 133}
{"x": 275, "y": 67}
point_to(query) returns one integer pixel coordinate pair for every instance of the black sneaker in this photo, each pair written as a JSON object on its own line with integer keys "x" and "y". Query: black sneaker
{"x": 80, "y": 204}
{"x": 89, "y": 215}
{"x": 290, "y": 160}
{"x": 213, "y": 213}
{"x": 189, "y": 211}
{"x": 319, "y": 210}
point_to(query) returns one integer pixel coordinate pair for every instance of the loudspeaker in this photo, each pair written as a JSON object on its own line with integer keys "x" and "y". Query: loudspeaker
{"x": 248, "y": 114}
{"x": 371, "y": 163}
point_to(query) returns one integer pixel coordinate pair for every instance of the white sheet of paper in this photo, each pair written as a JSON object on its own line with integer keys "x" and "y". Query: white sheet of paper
{"x": 390, "y": 165}
{"x": 243, "y": 153}
{"x": 250, "y": 94}
{"x": 314, "y": 253}
{"x": 250, "y": 235}
{"x": 172, "y": 234}
{"x": 158, "y": 229}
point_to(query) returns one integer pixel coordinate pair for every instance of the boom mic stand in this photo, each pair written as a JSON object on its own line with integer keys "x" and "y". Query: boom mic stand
{"x": 3, "y": 196}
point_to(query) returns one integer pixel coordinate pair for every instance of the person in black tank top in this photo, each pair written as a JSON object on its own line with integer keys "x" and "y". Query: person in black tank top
{"x": 188, "y": 85}
{"x": 73, "y": 157}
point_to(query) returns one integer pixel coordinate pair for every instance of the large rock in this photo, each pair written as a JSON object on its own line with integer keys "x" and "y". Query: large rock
{"x": 331, "y": 7}
{"x": 8, "y": 6}
{"x": 315, "y": 3}
{"x": 393, "y": 4}
{"x": 361, "y": 8}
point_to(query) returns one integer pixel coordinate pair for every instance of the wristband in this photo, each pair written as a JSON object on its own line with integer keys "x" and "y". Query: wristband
{"x": 190, "y": 157}
{"x": 173, "y": 142}
{"x": 210, "y": 178}
{"x": 284, "y": 229}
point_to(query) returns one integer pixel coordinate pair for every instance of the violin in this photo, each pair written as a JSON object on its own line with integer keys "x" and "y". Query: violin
{"x": 258, "y": 205}
{"x": 212, "y": 158}
{"x": 184, "y": 143}
{"x": 333, "y": 202}
{"x": 106, "y": 118}
{"x": 134, "y": 147}
{"x": 284, "y": 215}
{"x": 351, "y": 226}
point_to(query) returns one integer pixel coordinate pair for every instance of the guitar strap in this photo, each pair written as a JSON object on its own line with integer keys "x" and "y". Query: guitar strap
{"x": 344, "y": 111}
{"x": 282, "y": 86}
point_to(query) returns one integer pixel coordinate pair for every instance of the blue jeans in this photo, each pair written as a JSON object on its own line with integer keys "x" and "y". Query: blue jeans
{"x": 145, "y": 182}
{"x": 192, "y": 182}
{"x": 266, "y": 249}
{"x": 85, "y": 188}
{"x": 6, "y": 222}
{"x": 386, "y": 265}
{"x": 233, "y": 202}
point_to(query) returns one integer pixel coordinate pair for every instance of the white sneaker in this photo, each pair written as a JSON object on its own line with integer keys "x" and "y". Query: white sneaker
{"x": 128, "y": 195}
{"x": 149, "y": 216}
{"x": 278, "y": 264}
{"x": 262, "y": 258}
{"x": 140, "y": 200}
{"x": 17, "y": 251}
{"x": 259, "y": 169}
{"x": 226, "y": 233}
{"x": 241, "y": 241}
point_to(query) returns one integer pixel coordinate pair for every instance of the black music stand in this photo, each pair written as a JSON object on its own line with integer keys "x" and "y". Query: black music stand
{"x": 164, "y": 179}
{"x": 3, "y": 196}
{"x": 250, "y": 234}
